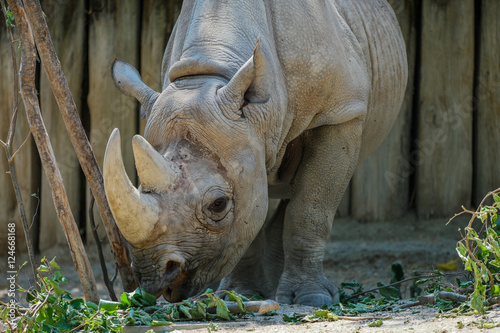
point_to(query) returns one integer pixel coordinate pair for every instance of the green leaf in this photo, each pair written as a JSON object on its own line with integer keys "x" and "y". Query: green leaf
{"x": 328, "y": 315}
{"x": 389, "y": 292}
{"x": 465, "y": 284}
{"x": 496, "y": 198}
{"x": 125, "y": 300}
{"x": 291, "y": 318}
{"x": 222, "y": 310}
{"x": 496, "y": 290}
{"x": 476, "y": 301}
{"x": 137, "y": 298}
{"x": 376, "y": 323}
{"x": 77, "y": 303}
{"x": 59, "y": 277}
{"x": 55, "y": 286}
{"x": 92, "y": 305}
{"x": 185, "y": 310}
{"x": 148, "y": 298}
{"x": 236, "y": 298}
{"x": 422, "y": 281}
{"x": 10, "y": 19}
{"x": 109, "y": 306}
{"x": 161, "y": 322}
{"x": 200, "y": 307}
{"x": 53, "y": 264}
{"x": 43, "y": 268}
{"x": 321, "y": 313}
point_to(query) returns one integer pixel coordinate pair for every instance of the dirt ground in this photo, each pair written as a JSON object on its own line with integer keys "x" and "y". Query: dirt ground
{"x": 357, "y": 251}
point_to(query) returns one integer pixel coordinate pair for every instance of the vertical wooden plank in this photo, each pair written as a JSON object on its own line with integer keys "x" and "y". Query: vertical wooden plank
{"x": 444, "y": 147}
{"x": 488, "y": 102}
{"x": 66, "y": 25}
{"x": 113, "y": 33}
{"x": 158, "y": 20}
{"x": 26, "y": 162}
{"x": 381, "y": 184}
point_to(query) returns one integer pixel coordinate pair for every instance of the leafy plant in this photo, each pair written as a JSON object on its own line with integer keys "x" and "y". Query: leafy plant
{"x": 480, "y": 252}
{"x": 52, "y": 309}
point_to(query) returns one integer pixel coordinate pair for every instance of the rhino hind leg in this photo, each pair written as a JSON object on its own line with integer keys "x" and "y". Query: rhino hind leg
{"x": 329, "y": 158}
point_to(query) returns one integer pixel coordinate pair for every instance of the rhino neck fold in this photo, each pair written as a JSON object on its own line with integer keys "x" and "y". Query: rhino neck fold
{"x": 206, "y": 42}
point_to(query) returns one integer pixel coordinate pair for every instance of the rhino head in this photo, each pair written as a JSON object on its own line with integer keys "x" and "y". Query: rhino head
{"x": 202, "y": 197}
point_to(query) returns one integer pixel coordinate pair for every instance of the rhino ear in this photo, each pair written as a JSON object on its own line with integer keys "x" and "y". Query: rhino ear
{"x": 128, "y": 80}
{"x": 250, "y": 84}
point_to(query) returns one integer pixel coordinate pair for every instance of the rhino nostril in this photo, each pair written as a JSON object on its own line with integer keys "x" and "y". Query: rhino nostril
{"x": 172, "y": 268}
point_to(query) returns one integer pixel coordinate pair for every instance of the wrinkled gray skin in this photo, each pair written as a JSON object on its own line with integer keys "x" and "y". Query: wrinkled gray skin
{"x": 261, "y": 99}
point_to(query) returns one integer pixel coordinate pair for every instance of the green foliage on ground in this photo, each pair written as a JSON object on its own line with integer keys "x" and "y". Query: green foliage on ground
{"x": 480, "y": 254}
{"x": 52, "y": 309}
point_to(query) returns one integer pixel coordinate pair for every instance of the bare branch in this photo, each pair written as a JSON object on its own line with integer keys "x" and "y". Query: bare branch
{"x": 37, "y": 127}
{"x": 20, "y": 147}
{"x": 107, "y": 281}
{"x": 10, "y": 158}
{"x": 431, "y": 298}
{"x": 79, "y": 138}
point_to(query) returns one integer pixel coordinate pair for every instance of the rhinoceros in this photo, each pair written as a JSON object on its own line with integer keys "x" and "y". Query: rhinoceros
{"x": 260, "y": 99}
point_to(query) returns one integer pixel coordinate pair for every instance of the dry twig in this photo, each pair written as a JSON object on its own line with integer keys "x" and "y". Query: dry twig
{"x": 37, "y": 127}
{"x": 78, "y": 138}
{"x": 7, "y": 146}
{"x": 102, "y": 261}
{"x": 430, "y": 299}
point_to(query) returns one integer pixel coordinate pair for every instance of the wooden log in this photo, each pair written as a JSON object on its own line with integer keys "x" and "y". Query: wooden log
{"x": 443, "y": 154}
{"x": 487, "y": 158}
{"x": 66, "y": 24}
{"x": 158, "y": 20}
{"x": 26, "y": 161}
{"x": 381, "y": 184}
{"x": 113, "y": 33}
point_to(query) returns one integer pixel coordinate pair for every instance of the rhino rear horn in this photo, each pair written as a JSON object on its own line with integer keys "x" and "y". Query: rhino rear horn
{"x": 135, "y": 213}
{"x": 128, "y": 80}
{"x": 154, "y": 171}
{"x": 250, "y": 84}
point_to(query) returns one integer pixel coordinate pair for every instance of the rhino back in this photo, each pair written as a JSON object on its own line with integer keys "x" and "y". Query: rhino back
{"x": 376, "y": 28}
{"x": 331, "y": 61}
{"x": 341, "y": 59}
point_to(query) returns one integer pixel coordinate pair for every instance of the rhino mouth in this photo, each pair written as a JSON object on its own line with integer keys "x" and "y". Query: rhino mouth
{"x": 179, "y": 289}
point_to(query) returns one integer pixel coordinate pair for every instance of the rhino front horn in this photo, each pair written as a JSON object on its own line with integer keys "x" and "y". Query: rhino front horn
{"x": 135, "y": 213}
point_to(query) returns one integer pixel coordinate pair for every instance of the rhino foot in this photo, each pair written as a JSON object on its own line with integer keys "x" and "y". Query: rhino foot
{"x": 313, "y": 292}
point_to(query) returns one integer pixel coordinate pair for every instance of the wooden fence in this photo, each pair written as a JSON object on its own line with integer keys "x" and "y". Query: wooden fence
{"x": 442, "y": 152}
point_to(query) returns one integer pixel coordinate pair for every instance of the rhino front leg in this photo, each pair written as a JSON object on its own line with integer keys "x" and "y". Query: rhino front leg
{"x": 249, "y": 277}
{"x": 329, "y": 159}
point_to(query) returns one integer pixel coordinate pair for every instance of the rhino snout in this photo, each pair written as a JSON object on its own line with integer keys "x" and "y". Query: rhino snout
{"x": 172, "y": 270}
{"x": 155, "y": 279}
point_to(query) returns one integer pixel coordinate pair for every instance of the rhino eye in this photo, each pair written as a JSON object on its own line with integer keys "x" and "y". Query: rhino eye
{"x": 218, "y": 205}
